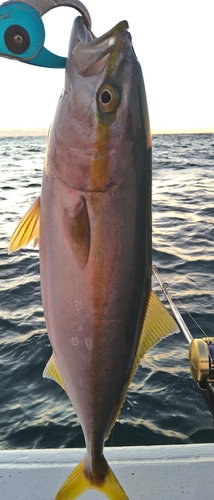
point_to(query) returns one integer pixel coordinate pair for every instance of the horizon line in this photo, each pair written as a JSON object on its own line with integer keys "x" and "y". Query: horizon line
{"x": 35, "y": 132}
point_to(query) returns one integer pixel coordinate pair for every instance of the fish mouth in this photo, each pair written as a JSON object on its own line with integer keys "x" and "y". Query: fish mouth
{"x": 90, "y": 58}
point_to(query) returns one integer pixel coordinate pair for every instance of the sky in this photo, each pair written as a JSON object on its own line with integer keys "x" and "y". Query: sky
{"x": 173, "y": 40}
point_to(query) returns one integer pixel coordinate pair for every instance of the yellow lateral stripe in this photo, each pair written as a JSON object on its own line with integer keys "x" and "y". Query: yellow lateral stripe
{"x": 99, "y": 164}
{"x": 27, "y": 229}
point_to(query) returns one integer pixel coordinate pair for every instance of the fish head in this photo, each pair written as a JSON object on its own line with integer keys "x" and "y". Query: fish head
{"x": 101, "y": 111}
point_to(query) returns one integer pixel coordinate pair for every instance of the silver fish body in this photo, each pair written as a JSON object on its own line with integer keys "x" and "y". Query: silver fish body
{"x": 95, "y": 241}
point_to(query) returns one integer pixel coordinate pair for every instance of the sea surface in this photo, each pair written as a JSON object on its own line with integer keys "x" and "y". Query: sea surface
{"x": 163, "y": 404}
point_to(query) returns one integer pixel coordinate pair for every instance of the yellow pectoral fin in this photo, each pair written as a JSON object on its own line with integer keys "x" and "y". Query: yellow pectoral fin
{"x": 51, "y": 371}
{"x": 27, "y": 229}
{"x": 79, "y": 481}
{"x": 158, "y": 324}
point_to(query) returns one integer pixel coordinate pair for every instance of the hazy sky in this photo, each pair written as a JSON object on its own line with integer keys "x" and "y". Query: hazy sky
{"x": 173, "y": 40}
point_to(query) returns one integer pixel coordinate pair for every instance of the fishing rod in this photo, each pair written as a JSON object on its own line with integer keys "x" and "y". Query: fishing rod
{"x": 201, "y": 351}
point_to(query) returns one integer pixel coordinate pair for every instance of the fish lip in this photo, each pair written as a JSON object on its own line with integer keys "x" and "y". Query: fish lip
{"x": 87, "y": 55}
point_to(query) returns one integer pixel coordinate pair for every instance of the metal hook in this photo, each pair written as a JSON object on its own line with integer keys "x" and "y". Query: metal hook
{"x": 43, "y": 6}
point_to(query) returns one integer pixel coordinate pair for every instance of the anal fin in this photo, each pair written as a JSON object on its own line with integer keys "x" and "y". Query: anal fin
{"x": 51, "y": 371}
{"x": 158, "y": 324}
{"x": 36, "y": 242}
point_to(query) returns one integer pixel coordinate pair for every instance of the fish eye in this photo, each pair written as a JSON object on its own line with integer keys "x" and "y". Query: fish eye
{"x": 108, "y": 98}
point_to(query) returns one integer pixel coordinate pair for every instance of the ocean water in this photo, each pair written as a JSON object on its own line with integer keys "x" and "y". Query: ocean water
{"x": 163, "y": 404}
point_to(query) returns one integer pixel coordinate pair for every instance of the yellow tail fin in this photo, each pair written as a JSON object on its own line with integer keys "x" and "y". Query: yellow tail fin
{"x": 78, "y": 482}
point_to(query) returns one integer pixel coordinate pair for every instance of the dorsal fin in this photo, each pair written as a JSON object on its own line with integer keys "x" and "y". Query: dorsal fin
{"x": 158, "y": 324}
{"x": 77, "y": 228}
{"x": 27, "y": 229}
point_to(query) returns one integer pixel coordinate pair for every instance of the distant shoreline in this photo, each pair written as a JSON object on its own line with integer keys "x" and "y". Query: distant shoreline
{"x": 44, "y": 132}
{"x": 23, "y": 132}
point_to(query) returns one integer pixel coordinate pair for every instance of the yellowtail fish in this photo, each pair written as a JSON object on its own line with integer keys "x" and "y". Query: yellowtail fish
{"x": 93, "y": 220}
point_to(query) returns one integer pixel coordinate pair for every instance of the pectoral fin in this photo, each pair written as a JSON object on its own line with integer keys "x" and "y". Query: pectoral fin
{"x": 77, "y": 227}
{"x": 51, "y": 371}
{"x": 27, "y": 229}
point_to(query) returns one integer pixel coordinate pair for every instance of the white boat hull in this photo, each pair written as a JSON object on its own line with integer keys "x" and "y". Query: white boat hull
{"x": 177, "y": 472}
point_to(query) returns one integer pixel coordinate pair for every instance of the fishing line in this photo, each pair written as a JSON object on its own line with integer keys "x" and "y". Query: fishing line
{"x": 190, "y": 315}
{"x": 165, "y": 288}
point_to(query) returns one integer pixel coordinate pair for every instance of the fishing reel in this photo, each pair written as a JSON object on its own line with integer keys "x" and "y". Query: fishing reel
{"x": 201, "y": 352}
{"x": 201, "y": 359}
